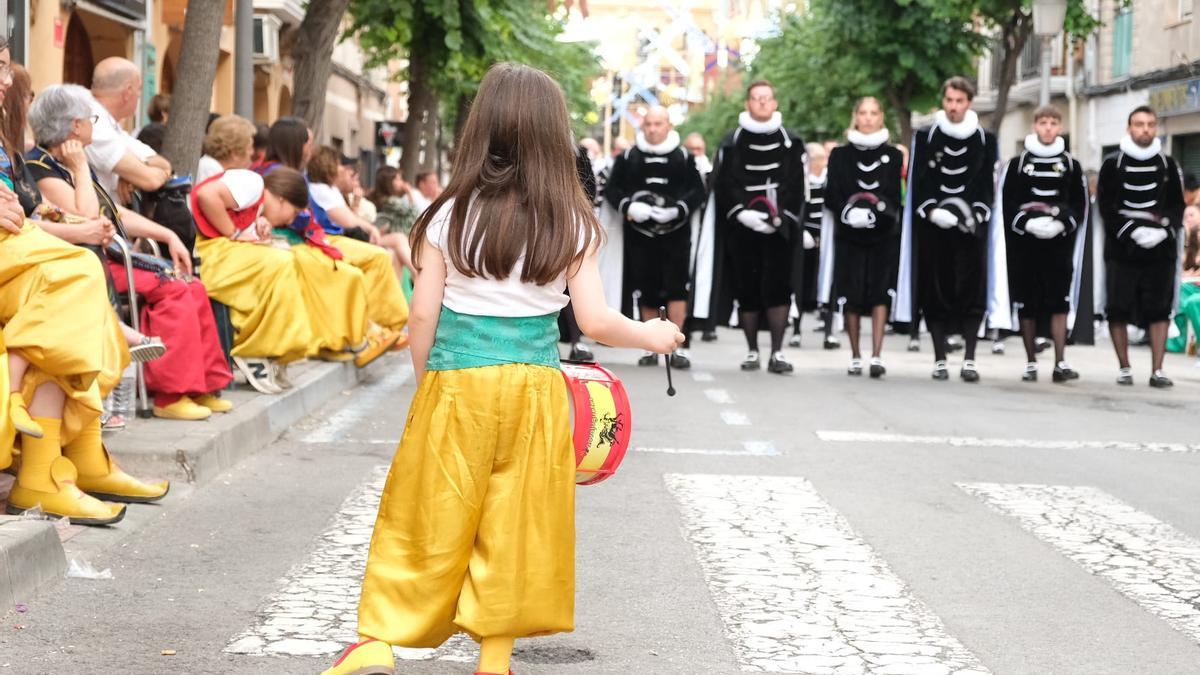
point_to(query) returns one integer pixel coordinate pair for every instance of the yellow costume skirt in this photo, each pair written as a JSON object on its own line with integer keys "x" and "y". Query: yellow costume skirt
{"x": 260, "y": 286}
{"x": 476, "y": 527}
{"x": 386, "y": 305}
{"x": 55, "y": 311}
{"x": 335, "y": 296}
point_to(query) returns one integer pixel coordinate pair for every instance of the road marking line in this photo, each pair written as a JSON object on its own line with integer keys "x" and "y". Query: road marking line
{"x": 837, "y": 436}
{"x": 749, "y": 448}
{"x": 718, "y": 396}
{"x": 315, "y": 611}
{"x": 798, "y": 590}
{"x": 1147, "y": 560}
{"x": 702, "y": 376}
{"x": 734, "y": 418}
{"x": 366, "y": 401}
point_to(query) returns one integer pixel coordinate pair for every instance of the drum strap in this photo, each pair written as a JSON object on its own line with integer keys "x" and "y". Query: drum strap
{"x": 473, "y": 341}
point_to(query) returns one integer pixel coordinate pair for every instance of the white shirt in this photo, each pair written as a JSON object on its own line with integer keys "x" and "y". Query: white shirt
{"x": 245, "y": 185}
{"x": 109, "y": 144}
{"x": 481, "y": 296}
{"x": 207, "y": 168}
{"x": 326, "y": 196}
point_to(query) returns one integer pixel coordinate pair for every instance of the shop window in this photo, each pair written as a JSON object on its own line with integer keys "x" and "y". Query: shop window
{"x": 1122, "y": 45}
{"x": 1186, "y": 150}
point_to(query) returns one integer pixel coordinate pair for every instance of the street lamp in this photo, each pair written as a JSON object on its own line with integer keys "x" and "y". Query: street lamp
{"x": 1049, "y": 16}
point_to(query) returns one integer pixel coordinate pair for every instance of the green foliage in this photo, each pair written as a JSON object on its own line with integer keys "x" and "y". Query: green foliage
{"x": 899, "y": 51}
{"x": 461, "y": 39}
{"x": 1080, "y": 21}
{"x": 718, "y": 117}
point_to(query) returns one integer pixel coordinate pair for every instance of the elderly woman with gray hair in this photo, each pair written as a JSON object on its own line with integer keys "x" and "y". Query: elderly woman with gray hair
{"x": 187, "y": 379}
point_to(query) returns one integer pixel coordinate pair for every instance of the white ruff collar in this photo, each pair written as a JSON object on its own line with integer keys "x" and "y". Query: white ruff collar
{"x": 819, "y": 179}
{"x": 1035, "y": 147}
{"x": 1138, "y": 152}
{"x": 869, "y": 141}
{"x": 666, "y": 147}
{"x": 959, "y": 130}
{"x": 752, "y": 125}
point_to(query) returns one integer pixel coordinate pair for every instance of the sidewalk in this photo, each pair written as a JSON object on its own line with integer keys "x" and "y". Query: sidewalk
{"x": 188, "y": 453}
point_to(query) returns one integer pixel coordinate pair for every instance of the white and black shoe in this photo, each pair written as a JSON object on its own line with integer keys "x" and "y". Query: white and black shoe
{"x": 794, "y": 341}
{"x": 832, "y": 342}
{"x": 580, "y": 352}
{"x": 914, "y": 344}
{"x": 1125, "y": 377}
{"x": 257, "y": 373}
{"x": 877, "y": 368}
{"x": 148, "y": 349}
{"x": 681, "y": 359}
{"x": 954, "y": 343}
{"x": 779, "y": 364}
{"x": 855, "y": 367}
{"x": 939, "y": 371}
{"x": 1063, "y": 372}
{"x": 998, "y": 347}
{"x": 1159, "y": 380}
{"x": 751, "y": 362}
{"x": 969, "y": 372}
{"x": 648, "y": 359}
{"x": 1031, "y": 372}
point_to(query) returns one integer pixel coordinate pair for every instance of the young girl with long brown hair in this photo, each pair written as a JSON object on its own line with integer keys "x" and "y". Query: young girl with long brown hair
{"x": 476, "y": 528}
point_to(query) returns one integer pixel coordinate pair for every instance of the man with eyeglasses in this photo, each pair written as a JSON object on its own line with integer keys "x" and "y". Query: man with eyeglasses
{"x": 121, "y": 162}
{"x": 760, "y": 192}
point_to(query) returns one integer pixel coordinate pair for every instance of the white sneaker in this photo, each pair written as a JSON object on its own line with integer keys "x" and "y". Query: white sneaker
{"x": 279, "y": 376}
{"x": 258, "y": 374}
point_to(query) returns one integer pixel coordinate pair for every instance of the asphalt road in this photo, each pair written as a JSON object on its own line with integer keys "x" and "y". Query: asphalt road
{"x": 808, "y": 523}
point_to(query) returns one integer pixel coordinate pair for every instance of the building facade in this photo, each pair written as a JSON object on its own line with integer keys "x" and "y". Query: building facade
{"x": 1146, "y": 53}
{"x": 61, "y": 41}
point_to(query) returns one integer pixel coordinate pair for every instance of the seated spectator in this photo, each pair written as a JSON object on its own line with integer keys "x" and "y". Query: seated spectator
{"x": 428, "y": 189}
{"x": 158, "y": 111}
{"x": 187, "y": 380}
{"x": 121, "y": 162}
{"x": 334, "y": 295}
{"x": 235, "y": 211}
{"x": 385, "y": 302}
{"x": 222, "y": 130}
{"x": 393, "y": 201}
{"x": 1189, "y": 292}
{"x": 362, "y": 208}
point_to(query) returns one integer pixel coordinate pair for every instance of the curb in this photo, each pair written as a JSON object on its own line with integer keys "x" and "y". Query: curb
{"x": 31, "y": 559}
{"x": 196, "y": 452}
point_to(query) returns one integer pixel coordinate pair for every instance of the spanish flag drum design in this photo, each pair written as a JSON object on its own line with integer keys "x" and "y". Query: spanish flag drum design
{"x": 601, "y": 418}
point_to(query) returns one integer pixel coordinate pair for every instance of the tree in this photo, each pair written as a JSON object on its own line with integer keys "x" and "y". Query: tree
{"x": 717, "y": 118}
{"x": 189, "y": 112}
{"x": 899, "y": 51}
{"x": 1011, "y": 23}
{"x": 313, "y": 54}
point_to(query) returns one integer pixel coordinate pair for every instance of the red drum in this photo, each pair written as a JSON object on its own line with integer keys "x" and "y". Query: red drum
{"x": 601, "y": 419}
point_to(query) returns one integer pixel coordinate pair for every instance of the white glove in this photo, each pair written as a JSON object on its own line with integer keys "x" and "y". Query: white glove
{"x": 809, "y": 241}
{"x": 639, "y": 212}
{"x": 755, "y": 220}
{"x": 664, "y": 214}
{"x": 943, "y": 219}
{"x": 860, "y": 218}
{"x": 1045, "y": 227}
{"x": 1148, "y": 237}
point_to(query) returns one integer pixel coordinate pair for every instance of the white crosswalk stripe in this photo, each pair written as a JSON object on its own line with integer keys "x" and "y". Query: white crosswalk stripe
{"x": 837, "y": 436}
{"x": 749, "y": 448}
{"x": 1147, "y": 560}
{"x": 798, "y": 590}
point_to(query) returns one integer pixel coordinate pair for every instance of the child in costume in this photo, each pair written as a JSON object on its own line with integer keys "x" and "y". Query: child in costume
{"x": 476, "y": 527}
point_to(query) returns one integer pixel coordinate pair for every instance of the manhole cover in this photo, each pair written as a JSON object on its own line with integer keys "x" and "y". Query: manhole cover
{"x": 553, "y": 654}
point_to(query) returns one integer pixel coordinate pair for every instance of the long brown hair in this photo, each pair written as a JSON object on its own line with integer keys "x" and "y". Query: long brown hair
{"x": 384, "y": 179}
{"x": 323, "y": 165}
{"x": 514, "y": 177}
{"x": 16, "y": 111}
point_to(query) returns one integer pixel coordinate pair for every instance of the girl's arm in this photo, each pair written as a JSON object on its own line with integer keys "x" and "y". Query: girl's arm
{"x": 428, "y": 289}
{"x": 214, "y": 200}
{"x": 605, "y": 324}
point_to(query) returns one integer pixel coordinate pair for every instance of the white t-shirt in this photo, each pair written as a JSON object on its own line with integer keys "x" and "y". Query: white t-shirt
{"x": 482, "y": 296}
{"x": 246, "y": 187}
{"x": 207, "y": 168}
{"x": 326, "y": 196}
{"x": 109, "y": 144}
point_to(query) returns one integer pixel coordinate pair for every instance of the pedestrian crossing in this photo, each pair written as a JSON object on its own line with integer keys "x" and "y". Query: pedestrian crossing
{"x": 794, "y": 585}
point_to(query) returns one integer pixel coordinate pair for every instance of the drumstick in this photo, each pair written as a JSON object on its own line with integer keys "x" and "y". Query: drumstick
{"x": 662, "y": 314}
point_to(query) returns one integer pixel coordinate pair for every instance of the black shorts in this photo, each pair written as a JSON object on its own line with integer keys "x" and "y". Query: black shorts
{"x": 865, "y": 274}
{"x": 658, "y": 266}
{"x": 1039, "y": 275}
{"x": 1139, "y": 293}
{"x": 760, "y": 266}
{"x": 951, "y": 270}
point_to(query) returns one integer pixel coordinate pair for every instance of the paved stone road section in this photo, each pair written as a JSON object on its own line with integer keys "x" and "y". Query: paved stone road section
{"x": 1147, "y": 560}
{"x": 799, "y": 591}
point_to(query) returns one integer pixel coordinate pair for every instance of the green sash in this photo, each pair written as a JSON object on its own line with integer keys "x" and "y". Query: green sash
{"x": 473, "y": 341}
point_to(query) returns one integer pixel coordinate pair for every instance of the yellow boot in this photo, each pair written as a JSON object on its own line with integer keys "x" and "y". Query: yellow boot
{"x": 377, "y": 345}
{"x": 100, "y": 476}
{"x": 184, "y": 409}
{"x": 214, "y": 403}
{"x": 19, "y": 414}
{"x": 369, "y": 657}
{"x": 46, "y": 479}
